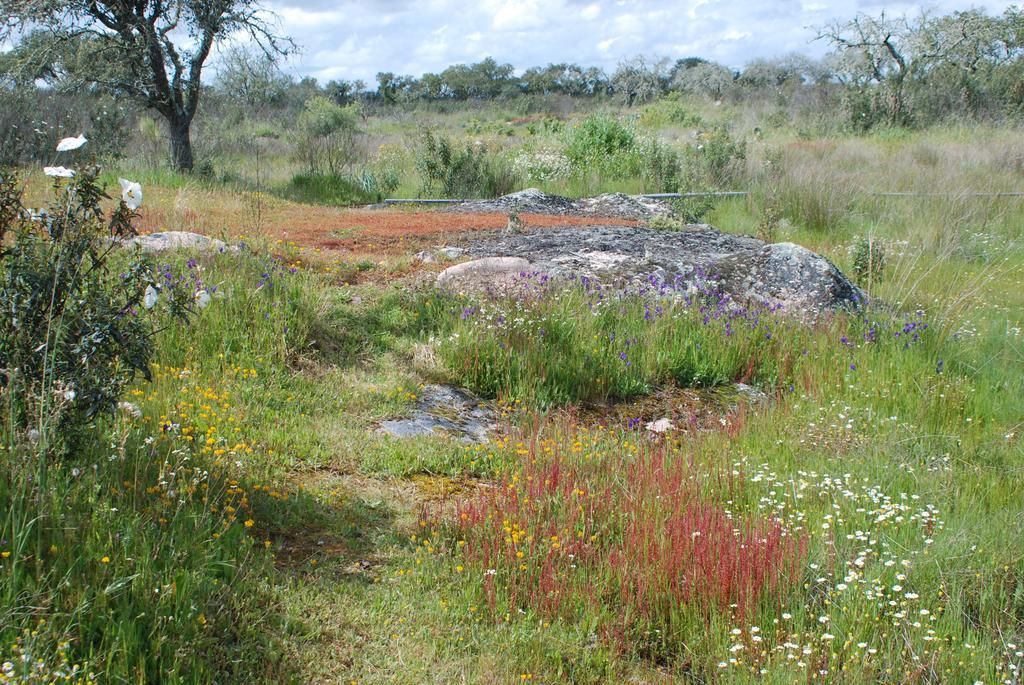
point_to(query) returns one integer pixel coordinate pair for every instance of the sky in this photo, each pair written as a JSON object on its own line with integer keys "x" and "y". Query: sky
{"x": 346, "y": 39}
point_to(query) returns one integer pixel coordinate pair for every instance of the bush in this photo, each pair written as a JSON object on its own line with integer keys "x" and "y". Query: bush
{"x": 466, "y": 171}
{"x": 599, "y": 137}
{"x": 868, "y": 260}
{"x": 716, "y": 162}
{"x": 72, "y": 336}
{"x": 604, "y": 144}
{"x": 326, "y": 136}
{"x": 669, "y": 110}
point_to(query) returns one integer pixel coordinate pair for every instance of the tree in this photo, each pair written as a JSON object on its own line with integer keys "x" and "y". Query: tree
{"x": 706, "y": 78}
{"x": 636, "y": 81}
{"x": 251, "y": 77}
{"x": 159, "y": 47}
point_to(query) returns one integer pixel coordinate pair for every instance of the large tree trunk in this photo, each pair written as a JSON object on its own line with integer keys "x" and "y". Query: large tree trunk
{"x": 181, "y": 145}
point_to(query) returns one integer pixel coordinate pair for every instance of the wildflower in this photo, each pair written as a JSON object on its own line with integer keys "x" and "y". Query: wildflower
{"x": 58, "y": 171}
{"x": 249, "y": 523}
{"x": 105, "y": 560}
{"x": 202, "y": 299}
{"x": 70, "y": 395}
{"x": 68, "y": 144}
{"x": 131, "y": 193}
{"x": 149, "y": 299}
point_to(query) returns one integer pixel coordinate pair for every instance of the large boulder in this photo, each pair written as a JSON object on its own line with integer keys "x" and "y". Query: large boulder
{"x": 789, "y": 275}
{"x": 749, "y": 270}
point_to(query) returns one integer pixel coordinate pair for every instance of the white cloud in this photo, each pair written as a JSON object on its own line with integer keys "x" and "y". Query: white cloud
{"x": 517, "y": 15}
{"x": 358, "y": 38}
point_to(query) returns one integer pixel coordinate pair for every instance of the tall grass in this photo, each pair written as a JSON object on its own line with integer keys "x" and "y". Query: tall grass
{"x": 559, "y": 343}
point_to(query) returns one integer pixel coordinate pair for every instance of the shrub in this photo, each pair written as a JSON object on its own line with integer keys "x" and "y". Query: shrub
{"x": 462, "y": 171}
{"x": 604, "y": 144}
{"x": 692, "y": 210}
{"x": 598, "y": 137}
{"x": 717, "y": 161}
{"x": 868, "y": 260}
{"x": 71, "y": 337}
{"x": 669, "y": 110}
{"x": 326, "y": 136}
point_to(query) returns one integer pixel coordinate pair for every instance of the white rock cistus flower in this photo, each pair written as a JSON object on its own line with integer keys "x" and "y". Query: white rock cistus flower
{"x": 131, "y": 193}
{"x": 58, "y": 171}
{"x": 202, "y": 298}
{"x": 660, "y": 426}
{"x": 68, "y": 144}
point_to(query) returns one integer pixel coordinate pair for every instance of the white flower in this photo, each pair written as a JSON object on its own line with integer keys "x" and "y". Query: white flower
{"x": 149, "y": 299}
{"x": 68, "y": 144}
{"x": 62, "y": 172}
{"x": 70, "y": 395}
{"x": 660, "y": 426}
{"x": 131, "y": 193}
{"x": 202, "y": 299}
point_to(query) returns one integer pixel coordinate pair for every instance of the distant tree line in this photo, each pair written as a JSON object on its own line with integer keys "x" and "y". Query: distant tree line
{"x": 882, "y": 70}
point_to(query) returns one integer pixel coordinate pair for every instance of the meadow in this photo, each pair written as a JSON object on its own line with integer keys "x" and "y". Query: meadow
{"x": 239, "y": 519}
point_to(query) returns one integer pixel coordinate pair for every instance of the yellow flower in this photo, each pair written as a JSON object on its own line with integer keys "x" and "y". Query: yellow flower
{"x": 5, "y": 554}
{"x": 105, "y": 560}
{"x": 249, "y": 523}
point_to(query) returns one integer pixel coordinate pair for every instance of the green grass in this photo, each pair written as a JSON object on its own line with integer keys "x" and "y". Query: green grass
{"x": 903, "y": 471}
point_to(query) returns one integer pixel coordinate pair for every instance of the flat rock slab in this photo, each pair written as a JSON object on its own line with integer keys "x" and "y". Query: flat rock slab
{"x": 747, "y": 269}
{"x": 175, "y": 240}
{"x": 444, "y": 410}
{"x": 488, "y": 273}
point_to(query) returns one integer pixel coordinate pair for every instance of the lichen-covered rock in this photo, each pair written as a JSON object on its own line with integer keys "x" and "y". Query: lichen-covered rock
{"x": 790, "y": 275}
{"x": 797, "y": 280}
{"x": 609, "y": 205}
{"x": 175, "y": 240}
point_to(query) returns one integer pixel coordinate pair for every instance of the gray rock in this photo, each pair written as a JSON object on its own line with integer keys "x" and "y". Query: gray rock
{"x": 450, "y": 252}
{"x": 444, "y": 410}
{"x": 175, "y": 240}
{"x": 533, "y": 201}
{"x": 747, "y": 269}
{"x": 489, "y": 273}
{"x": 790, "y": 275}
{"x": 425, "y": 257}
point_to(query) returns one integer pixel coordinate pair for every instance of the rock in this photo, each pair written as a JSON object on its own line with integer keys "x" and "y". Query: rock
{"x": 489, "y": 273}
{"x": 625, "y": 207}
{"x": 444, "y": 410}
{"x": 425, "y": 257}
{"x": 790, "y": 275}
{"x": 746, "y": 269}
{"x": 176, "y": 240}
{"x": 450, "y": 252}
{"x": 533, "y": 201}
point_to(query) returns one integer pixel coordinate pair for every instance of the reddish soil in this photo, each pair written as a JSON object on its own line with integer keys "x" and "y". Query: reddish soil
{"x": 356, "y": 230}
{"x": 386, "y": 231}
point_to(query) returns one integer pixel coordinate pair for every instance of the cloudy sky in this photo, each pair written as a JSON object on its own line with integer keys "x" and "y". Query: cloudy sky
{"x": 356, "y": 39}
